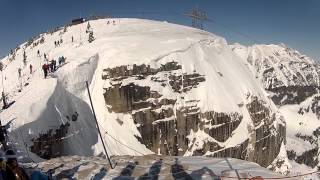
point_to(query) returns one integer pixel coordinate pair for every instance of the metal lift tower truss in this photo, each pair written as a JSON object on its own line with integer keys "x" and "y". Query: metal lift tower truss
{"x": 198, "y": 17}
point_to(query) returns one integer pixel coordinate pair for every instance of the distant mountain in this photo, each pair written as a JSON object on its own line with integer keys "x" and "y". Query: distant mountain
{"x": 292, "y": 82}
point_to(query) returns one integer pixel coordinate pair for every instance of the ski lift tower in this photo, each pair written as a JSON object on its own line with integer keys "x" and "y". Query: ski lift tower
{"x": 198, "y": 17}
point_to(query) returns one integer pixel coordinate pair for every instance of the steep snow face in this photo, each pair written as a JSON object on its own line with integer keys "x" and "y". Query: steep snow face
{"x": 156, "y": 88}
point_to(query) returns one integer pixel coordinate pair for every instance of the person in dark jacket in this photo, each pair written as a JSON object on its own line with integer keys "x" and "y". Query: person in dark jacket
{"x": 54, "y": 63}
{"x": 45, "y": 69}
{"x": 30, "y": 68}
{"x": 19, "y": 72}
{"x": 3, "y": 135}
{"x": 13, "y": 170}
{"x": 51, "y": 66}
{"x": 3, "y": 167}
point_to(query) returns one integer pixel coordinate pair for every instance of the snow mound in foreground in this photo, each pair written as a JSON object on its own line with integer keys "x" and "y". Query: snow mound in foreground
{"x": 161, "y": 167}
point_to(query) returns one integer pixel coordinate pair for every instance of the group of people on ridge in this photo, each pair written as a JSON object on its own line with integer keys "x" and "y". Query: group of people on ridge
{"x": 49, "y": 67}
{"x": 52, "y": 66}
{"x": 57, "y": 43}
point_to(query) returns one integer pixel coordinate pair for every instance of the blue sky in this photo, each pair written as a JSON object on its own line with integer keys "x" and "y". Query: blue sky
{"x": 293, "y": 22}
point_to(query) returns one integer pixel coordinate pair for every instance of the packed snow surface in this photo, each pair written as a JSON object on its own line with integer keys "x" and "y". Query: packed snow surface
{"x": 154, "y": 167}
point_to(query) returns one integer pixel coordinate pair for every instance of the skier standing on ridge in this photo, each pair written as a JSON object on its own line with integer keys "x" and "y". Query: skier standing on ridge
{"x": 45, "y": 68}
{"x": 3, "y": 135}
{"x": 38, "y": 53}
{"x": 61, "y": 60}
{"x": 19, "y": 72}
{"x": 53, "y": 65}
{"x": 71, "y": 38}
{"x": 4, "y": 101}
{"x": 30, "y": 68}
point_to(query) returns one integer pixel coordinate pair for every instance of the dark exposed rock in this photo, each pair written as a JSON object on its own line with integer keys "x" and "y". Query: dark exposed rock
{"x": 268, "y": 138}
{"x": 309, "y": 158}
{"x": 121, "y": 72}
{"x": 47, "y": 145}
{"x": 186, "y": 81}
{"x": 292, "y": 94}
{"x": 268, "y": 144}
{"x": 291, "y": 155}
{"x": 128, "y": 98}
{"x": 258, "y": 112}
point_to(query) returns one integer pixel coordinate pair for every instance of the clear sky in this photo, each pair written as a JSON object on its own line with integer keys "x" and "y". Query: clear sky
{"x": 293, "y": 22}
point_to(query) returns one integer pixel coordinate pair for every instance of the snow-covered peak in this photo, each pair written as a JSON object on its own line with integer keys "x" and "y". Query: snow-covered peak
{"x": 281, "y": 52}
{"x": 279, "y": 66}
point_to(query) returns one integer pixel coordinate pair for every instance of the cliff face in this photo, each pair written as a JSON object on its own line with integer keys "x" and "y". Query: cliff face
{"x": 177, "y": 127}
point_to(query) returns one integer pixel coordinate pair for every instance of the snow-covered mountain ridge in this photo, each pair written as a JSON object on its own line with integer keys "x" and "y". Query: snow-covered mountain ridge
{"x": 277, "y": 65}
{"x": 292, "y": 82}
{"x": 157, "y": 87}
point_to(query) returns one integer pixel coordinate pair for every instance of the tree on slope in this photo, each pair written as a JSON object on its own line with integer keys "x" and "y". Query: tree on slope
{"x": 88, "y": 30}
{"x": 65, "y": 29}
{"x": 12, "y": 55}
{"x": 91, "y": 37}
{"x": 3, "y": 96}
